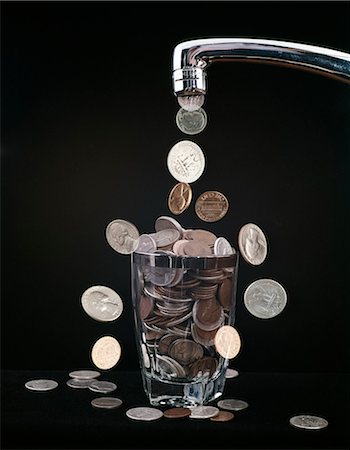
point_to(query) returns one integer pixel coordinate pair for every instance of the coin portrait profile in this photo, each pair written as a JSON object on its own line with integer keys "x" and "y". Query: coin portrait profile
{"x": 254, "y": 245}
{"x": 120, "y": 234}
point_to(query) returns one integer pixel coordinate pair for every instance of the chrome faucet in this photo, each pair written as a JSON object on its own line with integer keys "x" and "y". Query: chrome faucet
{"x": 191, "y": 59}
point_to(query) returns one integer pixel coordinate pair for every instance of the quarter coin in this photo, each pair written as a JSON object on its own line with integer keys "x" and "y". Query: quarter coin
{"x": 122, "y": 236}
{"x": 227, "y": 342}
{"x": 41, "y": 385}
{"x": 84, "y": 374}
{"x": 106, "y": 352}
{"x": 77, "y": 383}
{"x": 265, "y": 298}
{"x": 223, "y": 416}
{"x": 103, "y": 387}
{"x": 191, "y": 122}
{"x": 186, "y": 161}
{"x": 106, "y": 402}
{"x": 204, "y": 412}
{"x": 232, "y": 404}
{"x": 252, "y": 244}
{"x": 211, "y": 206}
{"x": 308, "y": 422}
{"x": 180, "y": 198}
{"x": 144, "y": 414}
{"x": 102, "y": 303}
{"x": 177, "y": 413}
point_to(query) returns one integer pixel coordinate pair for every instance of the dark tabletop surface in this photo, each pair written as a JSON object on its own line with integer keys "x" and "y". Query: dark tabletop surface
{"x": 64, "y": 418}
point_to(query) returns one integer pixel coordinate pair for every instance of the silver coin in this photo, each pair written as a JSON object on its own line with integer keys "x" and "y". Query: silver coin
{"x": 265, "y": 298}
{"x": 191, "y": 122}
{"x": 102, "y": 303}
{"x": 163, "y": 238}
{"x": 186, "y": 161}
{"x": 204, "y": 412}
{"x": 104, "y": 387}
{"x": 146, "y": 244}
{"x": 41, "y": 385}
{"x": 308, "y": 422}
{"x": 77, "y": 383}
{"x": 252, "y": 244}
{"x": 191, "y": 102}
{"x": 84, "y": 374}
{"x": 144, "y": 414}
{"x": 222, "y": 247}
{"x": 168, "y": 223}
{"x": 106, "y": 402}
{"x": 232, "y": 404}
{"x": 122, "y": 236}
{"x": 231, "y": 373}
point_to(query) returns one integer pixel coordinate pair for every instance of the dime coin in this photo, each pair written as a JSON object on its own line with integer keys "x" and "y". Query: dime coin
{"x": 232, "y": 404}
{"x": 191, "y": 102}
{"x": 106, "y": 352}
{"x": 211, "y": 206}
{"x": 252, "y": 244}
{"x": 77, "y": 383}
{"x": 146, "y": 244}
{"x": 102, "y": 303}
{"x": 180, "y": 198}
{"x": 204, "y": 412}
{"x": 177, "y": 413}
{"x": 41, "y": 385}
{"x": 191, "y": 122}
{"x": 186, "y": 161}
{"x": 144, "y": 414}
{"x": 265, "y": 298}
{"x": 106, "y": 402}
{"x": 227, "y": 342}
{"x": 223, "y": 416}
{"x": 308, "y": 422}
{"x": 168, "y": 223}
{"x": 104, "y": 387}
{"x": 231, "y": 373}
{"x": 84, "y": 374}
{"x": 222, "y": 247}
{"x": 122, "y": 236}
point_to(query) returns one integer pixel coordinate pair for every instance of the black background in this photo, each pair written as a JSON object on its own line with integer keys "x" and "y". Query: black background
{"x": 88, "y": 117}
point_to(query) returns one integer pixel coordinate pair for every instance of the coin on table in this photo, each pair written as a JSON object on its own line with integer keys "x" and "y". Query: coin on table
{"x": 211, "y": 206}
{"x": 222, "y": 247}
{"x": 102, "y": 303}
{"x": 180, "y": 198}
{"x": 122, "y": 236}
{"x": 252, "y": 244}
{"x": 106, "y": 352}
{"x": 223, "y": 416}
{"x": 186, "y": 161}
{"x": 308, "y": 422}
{"x": 77, "y": 383}
{"x": 177, "y": 413}
{"x": 144, "y": 414}
{"x": 204, "y": 412}
{"x": 191, "y": 122}
{"x": 227, "y": 342}
{"x": 232, "y": 404}
{"x": 104, "y": 387}
{"x": 146, "y": 244}
{"x": 265, "y": 298}
{"x": 84, "y": 374}
{"x": 41, "y": 385}
{"x": 106, "y": 402}
{"x": 231, "y": 373}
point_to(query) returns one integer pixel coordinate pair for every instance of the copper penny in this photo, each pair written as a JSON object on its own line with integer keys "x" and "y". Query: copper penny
{"x": 185, "y": 351}
{"x": 177, "y": 413}
{"x": 196, "y": 248}
{"x": 223, "y": 416}
{"x": 208, "y": 314}
{"x": 200, "y": 235}
{"x": 225, "y": 293}
{"x": 145, "y": 306}
{"x": 180, "y": 198}
{"x": 211, "y": 206}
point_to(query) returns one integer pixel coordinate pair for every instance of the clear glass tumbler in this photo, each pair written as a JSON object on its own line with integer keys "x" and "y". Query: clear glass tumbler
{"x": 179, "y": 304}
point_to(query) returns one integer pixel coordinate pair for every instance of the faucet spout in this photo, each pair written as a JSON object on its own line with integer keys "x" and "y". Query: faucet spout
{"x": 191, "y": 59}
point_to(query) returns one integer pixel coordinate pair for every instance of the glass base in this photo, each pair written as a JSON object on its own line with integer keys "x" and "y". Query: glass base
{"x": 168, "y": 393}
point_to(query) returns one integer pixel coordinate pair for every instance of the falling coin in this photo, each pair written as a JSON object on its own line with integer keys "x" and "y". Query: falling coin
{"x": 222, "y": 247}
{"x": 211, "y": 206}
{"x": 232, "y": 404}
{"x": 265, "y": 298}
{"x": 177, "y": 413}
{"x": 308, "y": 422}
{"x": 252, "y": 244}
{"x": 227, "y": 342}
{"x": 180, "y": 198}
{"x": 186, "y": 161}
{"x": 146, "y": 244}
{"x": 223, "y": 416}
{"x": 41, "y": 385}
{"x": 77, "y": 383}
{"x": 191, "y": 122}
{"x": 204, "y": 412}
{"x": 231, "y": 373}
{"x": 144, "y": 414}
{"x": 191, "y": 102}
{"x": 122, "y": 236}
{"x": 103, "y": 387}
{"x": 106, "y": 352}
{"x": 106, "y": 402}
{"x": 84, "y": 374}
{"x": 102, "y": 303}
